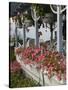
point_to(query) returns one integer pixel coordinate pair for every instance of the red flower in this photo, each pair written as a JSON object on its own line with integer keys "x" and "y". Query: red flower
{"x": 15, "y": 66}
{"x": 52, "y": 61}
{"x": 59, "y": 76}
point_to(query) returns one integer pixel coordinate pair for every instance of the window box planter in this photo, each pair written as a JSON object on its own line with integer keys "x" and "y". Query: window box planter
{"x": 40, "y": 75}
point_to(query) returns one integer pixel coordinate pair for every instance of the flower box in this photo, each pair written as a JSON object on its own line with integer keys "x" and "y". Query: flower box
{"x": 37, "y": 74}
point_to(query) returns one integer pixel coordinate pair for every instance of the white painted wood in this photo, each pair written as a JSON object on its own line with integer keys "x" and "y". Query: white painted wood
{"x": 24, "y": 35}
{"x": 62, "y": 10}
{"x": 59, "y": 29}
{"x": 55, "y": 12}
{"x": 59, "y": 26}
{"x": 16, "y": 43}
{"x": 35, "y": 18}
{"x": 27, "y": 44}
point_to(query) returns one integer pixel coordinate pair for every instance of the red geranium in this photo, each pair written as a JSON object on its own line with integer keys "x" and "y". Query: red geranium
{"x": 51, "y": 61}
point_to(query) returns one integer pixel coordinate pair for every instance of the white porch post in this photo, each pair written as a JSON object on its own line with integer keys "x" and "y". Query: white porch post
{"x": 59, "y": 29}
{"x": 16, "y": 42}
{"x": 24, "y": 35}
{"x": 36, "y": 18}
{"x": 37, "y": 37}
{"x": 59, "y": 26}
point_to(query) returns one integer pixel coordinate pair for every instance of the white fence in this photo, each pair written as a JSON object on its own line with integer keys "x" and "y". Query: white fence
{"x": 31, "y": 34}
